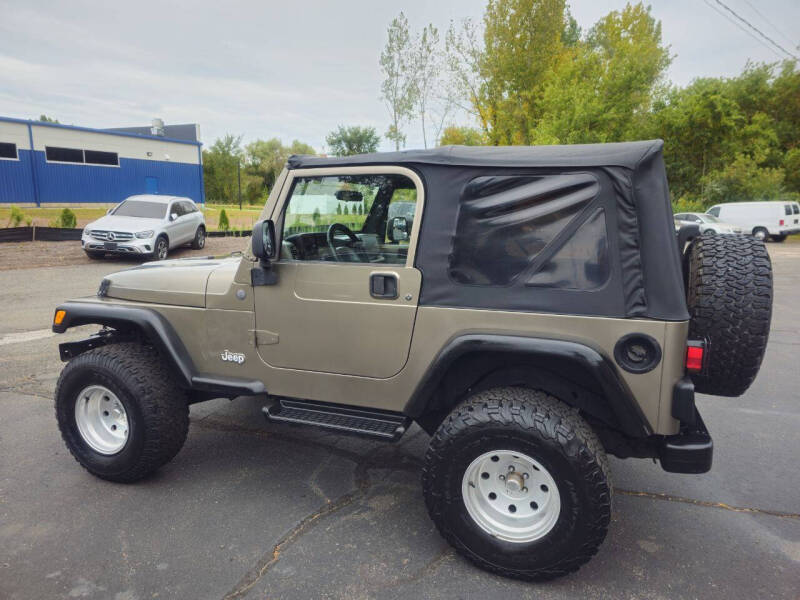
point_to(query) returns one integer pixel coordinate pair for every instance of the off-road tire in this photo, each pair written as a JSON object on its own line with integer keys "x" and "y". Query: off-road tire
{"x": 546, "y": 429}
{"x": 199, "y": 241}
{"x": 729, "y": 295}
{"x": 94, "y": 255}
{"x": 156, "y": 406}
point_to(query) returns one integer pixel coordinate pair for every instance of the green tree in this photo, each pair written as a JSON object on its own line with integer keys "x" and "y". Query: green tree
{"x": 219, "y": 168}
{"x": 743, "y": 179}
{"x": 264, "y": 160}
{"x": 224, "y": 224}
{"x": 346, "y": 141}
{"x": 399, "y": 88}
{"x": 461, "y": 135}
{"x": 720, "y": 132}
{"x": 66, "y": 219}
{"x": 316, "y": 216}
{"x": 16, "y": 217}
{"x": 427, "y": 70}
{"x": 602, "y": 89}
{"x": 346, "y": 210}
{"x": 46, "y": 119}
{"x": 522, "y": 45}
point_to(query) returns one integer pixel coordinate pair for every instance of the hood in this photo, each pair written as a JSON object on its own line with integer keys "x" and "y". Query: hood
{"x": 180, "y": 282}
{"x": 131, "y": 224}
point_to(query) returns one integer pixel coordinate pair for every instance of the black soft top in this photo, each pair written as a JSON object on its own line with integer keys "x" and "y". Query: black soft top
{"x": 486, "y": 207}
{"x": 623, "y": 154}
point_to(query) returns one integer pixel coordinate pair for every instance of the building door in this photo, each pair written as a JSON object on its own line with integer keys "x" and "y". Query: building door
{"x": 151, "y": 185}
{"x": 346, "y": 295}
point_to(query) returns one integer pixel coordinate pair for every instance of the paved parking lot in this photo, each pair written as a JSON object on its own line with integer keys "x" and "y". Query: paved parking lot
{"x": 250, "y": 510}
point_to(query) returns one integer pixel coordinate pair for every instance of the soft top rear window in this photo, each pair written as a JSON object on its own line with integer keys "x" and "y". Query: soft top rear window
{"x": 506, "y": 222}
{"x": 141, "y": 208}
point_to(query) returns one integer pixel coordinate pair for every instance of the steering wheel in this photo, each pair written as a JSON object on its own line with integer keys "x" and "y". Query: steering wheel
{"x": 354, "y": 247}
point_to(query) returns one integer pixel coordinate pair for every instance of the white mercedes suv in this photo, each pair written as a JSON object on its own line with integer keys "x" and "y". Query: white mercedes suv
{"x": 146, "y": 225}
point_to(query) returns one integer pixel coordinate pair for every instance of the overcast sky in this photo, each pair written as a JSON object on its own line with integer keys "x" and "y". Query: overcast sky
{"x": 293, "y": 70}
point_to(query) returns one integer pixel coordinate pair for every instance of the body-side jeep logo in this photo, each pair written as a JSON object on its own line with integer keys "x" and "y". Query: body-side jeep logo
{"x": 229, "y": 356}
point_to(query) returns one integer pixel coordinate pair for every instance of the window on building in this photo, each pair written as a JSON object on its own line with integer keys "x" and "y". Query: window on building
{"x": 69, "y": 155}
{"x": 97, "y": 157}
{"x": 8, "y": 150}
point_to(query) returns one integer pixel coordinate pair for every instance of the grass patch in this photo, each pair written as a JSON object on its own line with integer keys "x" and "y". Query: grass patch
{"x": 42, "y": 217}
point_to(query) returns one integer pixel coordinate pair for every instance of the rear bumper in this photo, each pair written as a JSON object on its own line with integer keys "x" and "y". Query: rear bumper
{"x": 692, "y": 449}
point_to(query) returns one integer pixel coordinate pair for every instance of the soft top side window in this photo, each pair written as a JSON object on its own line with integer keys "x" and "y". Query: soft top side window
{"x": 505, "y": 223}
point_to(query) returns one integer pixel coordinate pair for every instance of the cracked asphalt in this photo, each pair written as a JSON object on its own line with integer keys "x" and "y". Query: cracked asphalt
{"x": 255, "y": 510}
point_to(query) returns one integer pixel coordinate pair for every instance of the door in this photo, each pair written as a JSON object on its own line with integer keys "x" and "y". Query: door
{"x": 151, "y": 185}
{"x": 346, "y": 296}
{"x": 177, "y": 228}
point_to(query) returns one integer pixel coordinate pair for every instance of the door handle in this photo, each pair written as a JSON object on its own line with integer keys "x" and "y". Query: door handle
{"x": 383, "y": 285}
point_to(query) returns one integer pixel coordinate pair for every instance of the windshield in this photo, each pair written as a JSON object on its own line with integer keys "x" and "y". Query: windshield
{"x": 139, "y": 208}
{"x": 710, "y": 218}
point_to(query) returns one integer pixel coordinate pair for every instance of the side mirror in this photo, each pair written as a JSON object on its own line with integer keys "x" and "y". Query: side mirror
{"x": 399, "y": 229}
{"x": 264, "y": 249}
{"x": 173, "y": 216}
{"x": 264, "y": 240}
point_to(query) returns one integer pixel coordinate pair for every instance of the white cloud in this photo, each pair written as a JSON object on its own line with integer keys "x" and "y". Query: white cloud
{"x": 272, "y": 69}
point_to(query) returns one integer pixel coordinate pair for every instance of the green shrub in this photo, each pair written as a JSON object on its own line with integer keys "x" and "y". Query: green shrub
{"x": 684, "y": 204}
{"x": 224, "y": 224}
{"x": 17, "y": 216}
{"x": 67, "y": 219}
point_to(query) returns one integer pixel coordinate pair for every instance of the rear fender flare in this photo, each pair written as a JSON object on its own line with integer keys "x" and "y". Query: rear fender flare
{"x": 536, "y": 352}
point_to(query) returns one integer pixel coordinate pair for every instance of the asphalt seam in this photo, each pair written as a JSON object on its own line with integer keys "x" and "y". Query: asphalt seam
{"x": 707, "y": 504}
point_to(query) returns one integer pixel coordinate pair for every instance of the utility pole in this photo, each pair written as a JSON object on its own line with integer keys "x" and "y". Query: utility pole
{"x": 239, "y": 177}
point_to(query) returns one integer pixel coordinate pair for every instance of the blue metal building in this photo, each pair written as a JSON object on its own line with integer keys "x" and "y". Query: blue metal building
{"x": 47, "y": 163}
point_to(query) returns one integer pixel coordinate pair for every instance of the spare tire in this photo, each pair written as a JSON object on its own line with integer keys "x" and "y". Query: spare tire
{"x": 729, "y": 295}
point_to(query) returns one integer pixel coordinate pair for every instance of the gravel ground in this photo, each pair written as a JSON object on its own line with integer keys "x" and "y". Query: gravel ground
{"x": 31, "y": 255}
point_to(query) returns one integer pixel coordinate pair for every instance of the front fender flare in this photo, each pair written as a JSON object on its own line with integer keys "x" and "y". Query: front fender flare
{"x": 159, "y": 332}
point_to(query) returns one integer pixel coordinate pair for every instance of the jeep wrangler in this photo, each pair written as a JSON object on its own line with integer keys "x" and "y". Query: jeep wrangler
{"x": 531, "y": 308}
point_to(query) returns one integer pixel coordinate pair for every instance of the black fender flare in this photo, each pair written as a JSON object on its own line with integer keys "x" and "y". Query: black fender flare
{"x": 159, "y": 332}
{"x": 533, "y": 350}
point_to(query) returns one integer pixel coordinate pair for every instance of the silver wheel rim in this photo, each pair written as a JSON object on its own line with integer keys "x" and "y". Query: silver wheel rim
{"x": 101, "y": 420}
{"x": 511, "y": 496}
{"x": 760, "y": 235}
{"x": 162, "y": 250}
{"x": 201, "y": 238}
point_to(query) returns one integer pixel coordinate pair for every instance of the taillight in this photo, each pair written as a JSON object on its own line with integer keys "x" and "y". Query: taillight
{"x": 694, "y": 356}
{"x": 781, "y": 222}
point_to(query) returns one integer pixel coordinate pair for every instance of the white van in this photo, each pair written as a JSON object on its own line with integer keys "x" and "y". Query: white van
{"x": 762, "y": 219}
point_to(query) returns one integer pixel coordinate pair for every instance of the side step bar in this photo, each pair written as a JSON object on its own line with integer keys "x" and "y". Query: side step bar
{"x": 362, "y": 421}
